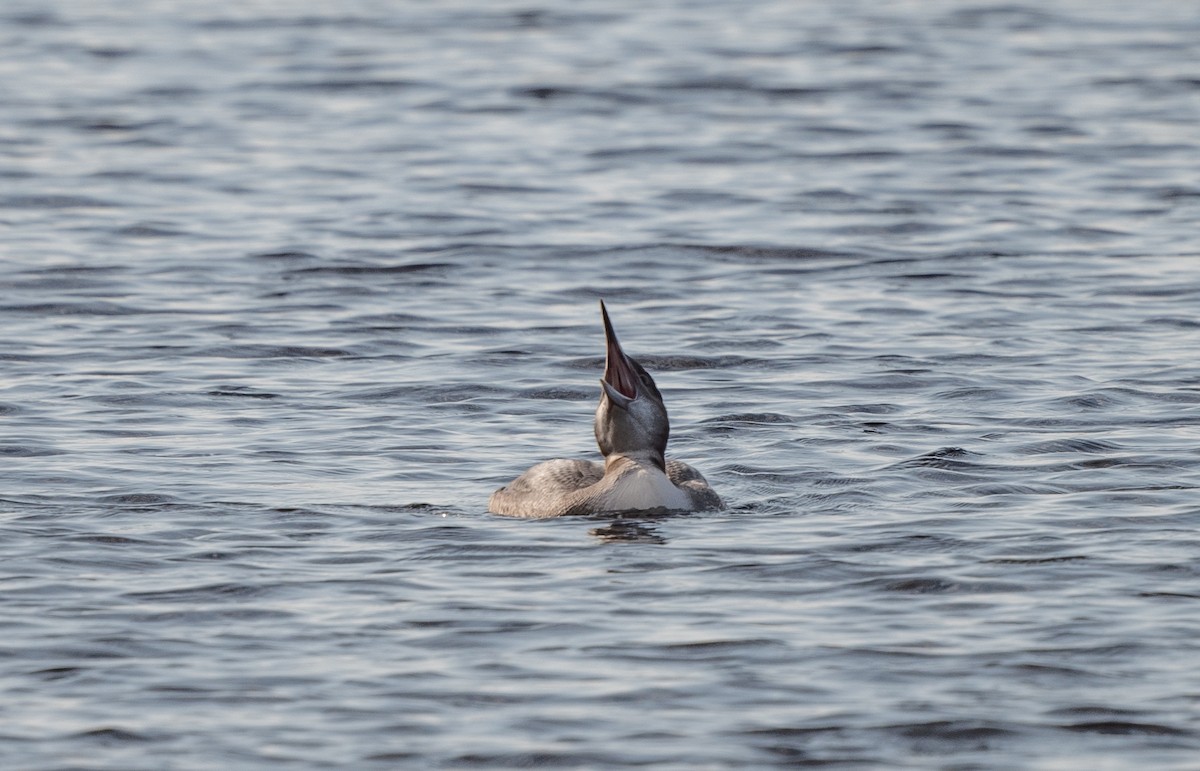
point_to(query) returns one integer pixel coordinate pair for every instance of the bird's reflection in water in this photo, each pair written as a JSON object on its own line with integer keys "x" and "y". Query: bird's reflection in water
{"x": 624, "y": 531}
{"x": 633, "y": 528}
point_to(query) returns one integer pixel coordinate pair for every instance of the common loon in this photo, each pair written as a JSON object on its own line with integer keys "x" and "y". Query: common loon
{"x": 632, "y": 430}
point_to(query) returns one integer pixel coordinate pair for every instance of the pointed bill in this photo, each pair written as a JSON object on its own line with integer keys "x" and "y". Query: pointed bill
{"x": 620, "y": 380}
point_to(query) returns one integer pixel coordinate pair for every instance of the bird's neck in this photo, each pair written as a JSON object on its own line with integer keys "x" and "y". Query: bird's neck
{"x": 649, "y": 457}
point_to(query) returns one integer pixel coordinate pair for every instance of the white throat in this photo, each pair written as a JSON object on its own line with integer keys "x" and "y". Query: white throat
{"x": 643, "y": 486}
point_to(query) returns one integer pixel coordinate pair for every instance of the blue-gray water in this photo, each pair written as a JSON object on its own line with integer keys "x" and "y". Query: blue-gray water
{"x": 288, "y": 288}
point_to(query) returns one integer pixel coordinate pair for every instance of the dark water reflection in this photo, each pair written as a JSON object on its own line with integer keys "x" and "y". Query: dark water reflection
{"x": 631, "y": 528}
{"x": 285, "y": 292}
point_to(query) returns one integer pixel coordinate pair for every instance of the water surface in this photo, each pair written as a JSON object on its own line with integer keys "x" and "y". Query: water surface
{"x": 288, "y": 290}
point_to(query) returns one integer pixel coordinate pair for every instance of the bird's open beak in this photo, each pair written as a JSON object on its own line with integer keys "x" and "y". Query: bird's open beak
{"x": 620, "y": 380}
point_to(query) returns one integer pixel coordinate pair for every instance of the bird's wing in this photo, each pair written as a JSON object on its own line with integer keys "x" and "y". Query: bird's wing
{"x": 688, "y": 479}
{"x": 545, "y": 490}
{"x": 680, "y": 472}
{"x": 560, "y": 475}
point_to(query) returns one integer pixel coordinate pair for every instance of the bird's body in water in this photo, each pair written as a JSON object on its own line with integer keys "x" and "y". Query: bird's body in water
{"x": 632, "y": 430}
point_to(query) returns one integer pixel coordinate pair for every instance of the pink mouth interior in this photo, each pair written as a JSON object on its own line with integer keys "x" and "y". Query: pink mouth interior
{"x": 620, "y": 375}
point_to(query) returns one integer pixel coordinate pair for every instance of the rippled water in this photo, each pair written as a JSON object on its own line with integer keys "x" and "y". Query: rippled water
{"x": 288, "y": 290}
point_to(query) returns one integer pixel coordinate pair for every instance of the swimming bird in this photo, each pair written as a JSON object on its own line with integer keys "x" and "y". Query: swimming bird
{"x": 632, "y": 430}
